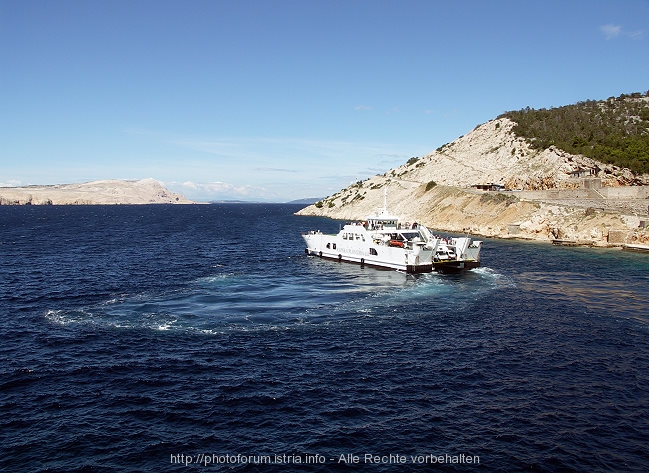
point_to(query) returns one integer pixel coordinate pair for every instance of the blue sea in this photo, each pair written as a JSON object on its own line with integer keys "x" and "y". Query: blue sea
{"x": 202, "y": 338}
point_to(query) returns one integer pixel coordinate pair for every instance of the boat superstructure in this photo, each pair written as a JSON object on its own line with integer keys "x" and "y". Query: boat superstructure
{"x": 383, "y": 242}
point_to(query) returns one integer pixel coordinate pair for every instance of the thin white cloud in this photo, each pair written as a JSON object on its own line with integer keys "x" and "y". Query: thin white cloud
{"x": 614, "y": 31}
{"x": 220, "y": 188}
{"x": 221, "y": 147}
{"x": 638, "y": 34}
{"x": 610, "y": 31}
{"x": 362, "y": 107}
{"x": 275, "y": 168}
{"x": 11, "y": 183}
{"x": 277, "y": 149}
{"x": 280, "y": 170}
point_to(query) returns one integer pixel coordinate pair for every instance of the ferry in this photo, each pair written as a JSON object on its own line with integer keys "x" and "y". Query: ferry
{"x": 383, "y": 242}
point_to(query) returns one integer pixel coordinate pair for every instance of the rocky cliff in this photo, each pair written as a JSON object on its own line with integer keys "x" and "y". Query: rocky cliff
{"x": 542, "y": 195}
{"x": 145, "y": 191}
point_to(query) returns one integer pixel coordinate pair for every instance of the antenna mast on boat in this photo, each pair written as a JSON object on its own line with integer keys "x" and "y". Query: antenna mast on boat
{"x": 385, "y": 199}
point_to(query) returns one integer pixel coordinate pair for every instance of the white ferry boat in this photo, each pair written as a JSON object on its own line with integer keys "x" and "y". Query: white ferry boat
{"x": 383, "y": 242}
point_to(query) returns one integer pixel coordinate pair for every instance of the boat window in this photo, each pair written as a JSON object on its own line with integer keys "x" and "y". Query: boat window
{"x": 334, "y": 245}
{"x": 373, "y": 252}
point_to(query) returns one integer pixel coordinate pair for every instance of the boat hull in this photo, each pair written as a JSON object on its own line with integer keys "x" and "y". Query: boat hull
{"x": 371, "y": 263}
{"x": 455, "y": 266}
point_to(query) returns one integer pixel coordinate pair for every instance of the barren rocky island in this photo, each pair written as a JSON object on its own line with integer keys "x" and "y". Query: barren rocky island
{"x": 145, "y": 191}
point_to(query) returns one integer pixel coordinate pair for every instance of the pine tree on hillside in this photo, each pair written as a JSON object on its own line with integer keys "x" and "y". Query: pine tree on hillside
{"x": 614, "y": 131}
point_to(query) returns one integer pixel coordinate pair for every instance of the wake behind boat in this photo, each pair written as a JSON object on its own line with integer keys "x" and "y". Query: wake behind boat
{"x": 382, "y": 242}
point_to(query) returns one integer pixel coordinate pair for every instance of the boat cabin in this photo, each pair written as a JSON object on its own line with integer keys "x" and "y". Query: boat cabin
{"x": 382, "y": 222}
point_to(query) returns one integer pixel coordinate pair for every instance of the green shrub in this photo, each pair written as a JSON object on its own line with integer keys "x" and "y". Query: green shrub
{"x": 498, "y": 198}
{"x": 614, "y": 131}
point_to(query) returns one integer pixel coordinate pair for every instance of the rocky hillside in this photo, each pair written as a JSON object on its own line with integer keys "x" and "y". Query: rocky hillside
{"x": 492, "y": 153}
{"x": 546, "y": 194}
{"x": 145, "y": 191}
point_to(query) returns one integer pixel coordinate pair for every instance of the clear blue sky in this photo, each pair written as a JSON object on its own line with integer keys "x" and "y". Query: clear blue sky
{"x": 278, "y": 100}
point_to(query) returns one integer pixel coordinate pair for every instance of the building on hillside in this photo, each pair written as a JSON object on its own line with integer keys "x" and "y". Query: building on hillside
{"x": 583, "y": 172}
{"x": 490, "y": 186}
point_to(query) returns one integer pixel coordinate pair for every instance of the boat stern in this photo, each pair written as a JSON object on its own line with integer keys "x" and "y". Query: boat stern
{"x": 462, "y": 254}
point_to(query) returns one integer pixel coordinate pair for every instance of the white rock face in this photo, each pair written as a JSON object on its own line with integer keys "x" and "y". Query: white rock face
{"x": 145, "y": 191}
{"x": 491, "y": 153}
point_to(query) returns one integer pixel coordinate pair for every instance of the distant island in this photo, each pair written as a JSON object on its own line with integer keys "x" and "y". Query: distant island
{"x": 306, "y": 201}
{"x": 107, "y": 192}
{"x": 571, "y": 175}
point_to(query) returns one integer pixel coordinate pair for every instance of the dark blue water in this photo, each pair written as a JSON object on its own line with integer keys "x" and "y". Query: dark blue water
{"x": 180, "y": 338}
